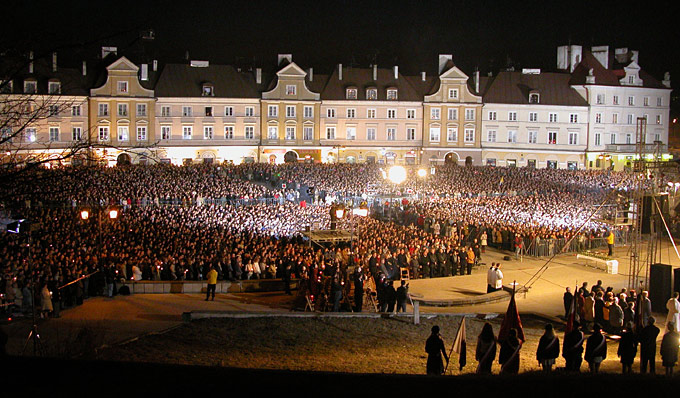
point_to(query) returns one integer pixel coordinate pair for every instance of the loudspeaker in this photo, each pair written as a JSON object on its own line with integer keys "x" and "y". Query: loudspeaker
{"x": 660, "y": 285}
{"x": 649, "y": 212}
{"x": 676, "y": 280}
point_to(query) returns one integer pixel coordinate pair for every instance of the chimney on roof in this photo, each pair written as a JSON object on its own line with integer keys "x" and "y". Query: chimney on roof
{"x": 30, "y": 64}
{"x": 667, "y": 79}
{"x": 155, "y": 65}
{"x": 281, "y": 57}
{"x": 186, "y": 55}
{"x": 145, "y": 72}
{"x": 601, "y": 53}
{"x": 634, "y": 56}
{"x": 310, "y": 74}
{"x": 443, "y": 59}
{"x": 54, "y": 62}
{"x": 568, "y": 57}
{"x": 477, "y": 81}
{"x": 422, "y": 76}
{"x": 590, "y": 79}
{"x": 339, "y": 71}
{"x": 396, "y": 72}
{"x": 258, "y": 75}
{"x": 375, "y": 72}
{"x": 621, "y": 55}
{"x": 84, "y": 68}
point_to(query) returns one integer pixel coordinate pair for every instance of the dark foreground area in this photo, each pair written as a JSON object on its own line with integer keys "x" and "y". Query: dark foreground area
{"x": 110, "y": 378}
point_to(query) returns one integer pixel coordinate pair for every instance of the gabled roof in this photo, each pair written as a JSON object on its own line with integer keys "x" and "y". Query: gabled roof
{"x": 182, "y": 80}
{"x": 607, "y": 77}
{"x": 362, "y": 79}
{"x": 514, "y": 88}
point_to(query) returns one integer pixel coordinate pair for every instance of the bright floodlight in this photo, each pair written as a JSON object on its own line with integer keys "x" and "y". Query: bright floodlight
{"x": 339, "y": 213}
{"x": 397, "y": 174}
{"x": 422, "y": 173}
{"x": 360, "y": 212}
{"x": 84, "y": 214}
{"x": 113, "y": 214}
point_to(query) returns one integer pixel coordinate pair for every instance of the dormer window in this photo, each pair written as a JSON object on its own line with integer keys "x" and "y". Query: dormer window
{"x": 392, "y": 94}
{"x": 534, "y": 98}
{"x": 30, "y": 87}
{"x": 453, "y": 93}
{"x": 54, "y": 87}
{"x": 290, "y": 89}
{"x": 372, "y": 94}
{"x": 6, "y": 87}
{"x": 351, "y": 93}
{"x": 631, "y": 79}
{"x": 123, "y": 87}
{"x": 208, "y": 90}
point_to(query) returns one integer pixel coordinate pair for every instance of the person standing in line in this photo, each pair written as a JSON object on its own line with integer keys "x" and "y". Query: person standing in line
{"x": 572, "y": 350}
{"x": 568, "y": 300}
{"x": 596, "y": 349}
{"x": 645, "y": 309}
{"x": 212, "y": 283}
{"x": 669, "y": 348}
{"x": 483, "y": 241}
{"x": 358, "y": 288}
{"x": 627, "y": 349}
{"x": 508, "y": 356}
{"x": 434, "y": 346}
{"x": 648, "y": 346}
{"x": 673, "y": 307}
{"x": 498, "y": 278}
{"x": 485, "y": 352}
{"x": 589, "y": 311}
{"x": 548, "y": 348}
{"x": 402, "y": 296}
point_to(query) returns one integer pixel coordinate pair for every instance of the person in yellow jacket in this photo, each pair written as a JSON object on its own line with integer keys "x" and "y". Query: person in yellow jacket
{"x": 212, "y": 283}
{"x": 610, "y": 243}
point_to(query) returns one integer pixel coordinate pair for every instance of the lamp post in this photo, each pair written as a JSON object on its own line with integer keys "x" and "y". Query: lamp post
{"x": 397, "y": 175}
{"x": 112, "y": 213}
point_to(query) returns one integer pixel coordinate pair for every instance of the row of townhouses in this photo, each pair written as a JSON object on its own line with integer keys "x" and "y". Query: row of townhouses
{"x": 585, "y": 114}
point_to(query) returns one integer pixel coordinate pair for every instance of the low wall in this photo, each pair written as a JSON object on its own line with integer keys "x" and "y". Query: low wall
{"x": 166, "y": 287}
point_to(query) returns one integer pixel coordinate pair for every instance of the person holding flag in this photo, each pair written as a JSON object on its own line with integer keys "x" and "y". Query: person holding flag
{"x": 596, "y": 349}
{"x": 509, "y": 354}
{"x": 548, "y": 348}
{"x": 434, "y": 346}
{"x": 459, "y": 346}
{"x": 572, "y": 350}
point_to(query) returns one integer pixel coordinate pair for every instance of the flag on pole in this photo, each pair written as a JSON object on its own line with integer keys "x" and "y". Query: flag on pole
{"x": 459, "y": 344}
{"x": 511, "y": 321}
{"x": 572, "y": 315}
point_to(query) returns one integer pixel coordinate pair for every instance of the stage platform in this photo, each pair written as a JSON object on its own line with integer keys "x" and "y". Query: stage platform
{"x": 321, "y": 236}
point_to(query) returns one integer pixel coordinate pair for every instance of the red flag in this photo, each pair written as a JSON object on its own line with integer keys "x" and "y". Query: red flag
{"x": 511, "y": 321}
{"x": 573, "y": 314}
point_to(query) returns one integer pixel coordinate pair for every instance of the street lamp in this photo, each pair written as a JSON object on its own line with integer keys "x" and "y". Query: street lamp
{"x": 112, "y": 213}
{"x": 397, "y": 175}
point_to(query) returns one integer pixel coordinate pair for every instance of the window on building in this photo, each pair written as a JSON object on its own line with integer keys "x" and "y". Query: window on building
{"x": 308, "y": 112}
{"x": 391, "y": 134}
{"x": 615, "y": 118}
{"x": 54, "y": 88}
{"x": 573, "y": 138}
{"x": 141, "y": 109}
{"x": 76, "y": 110}
{"x": 6, "y": 134}
{"x": 410, "y": 113}
{"x": 491, "y": 136}
{"x": 273, "y": 133}
{"x": 307, "y": 133}
{"x": 30, "y": 87}
{"x": 658, "y": 101}
{"x": 453, "y": 93}
{"x": 434, "y": 113}
{"x": 165, "y": 111}
{"x": 552, "y": 117}
{"x": 103, "y": 133}
{"x": 453, "y": 113}
{"x": 391, "y": 94}
{"x": 631, "y": 79}
{"x": 330, "y": 113}
{"x": 208, "y": 90}
{"x": 123, "y": 133}
{"x": 657, "y": 137}
{"x": 372, "y": 94}
{"x": 493, "y": 115}
{"x": 469, "y": 134}
{"x": 228, "y": 111}
{"x": 209, "y": 111}
{"x": 598, "y": 118}
{"x": 645, "y": 101}
{"x": 551, "y": 164}
{"x": 351, "y": 133}
{"x": 534, "y": 98}
{"x": 370, "y": 113}
{"x": 166, "y": 132}
{"x": 631, "y": 101}
{"x": 410, "y": 134}
{"x": 491, "y": 162}
{"x": 629, "y": 138}
{"x": 351, "y": 93}
{"x": 469, "y": 114}
{"x": 187, "y": 132}
{"x": 122, "y": 110}
{"x": 291, "y": 89}
{"x": 600, "y": 99}
{"x": 511, "y": 162}
{"x": 452, "y": 134}
{"x": 573, "y": 118}
{"x": 370, "y": 134}
{"x": 434, "y": 134}
{"x": 533, "y": 116}
{"x": 141, "y": 133}
{"x": 186, "y": 111}
{"x": 249, "y": 132}
{"x": 391, "y": 113}
{"x": 598, "y": 139}
{"x": 273, "y": 111}
{"x": 351, "y": 113}
{"x": 615, "y": 99}
{"x": 290, "y": 132}
{"x": 32, "y": 134}
{"x": 76, "y": 134}
{"x": 552, "y": 137}
{"x": 630, "y": 118}
{"x": 290, "y": 111}
{"x": 330, "y": 132}
{"x": 103, "y": 110}
{"x": 512, "y": 116}
{"x": 532, "y": 136}
{"x": 228, "y": 132}
{"x": 122, "y": 86}
{"x": 612, "y": 139}
{"x": 250, "y": 111}
{"x": 658, "y": 119}
{"x": 6, "y": 87}
{"x": 512, "y": 136}
{"x": 53, "y": 110}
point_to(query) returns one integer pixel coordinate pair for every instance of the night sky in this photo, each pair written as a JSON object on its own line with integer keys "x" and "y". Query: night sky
{"x": 484, "y": 34}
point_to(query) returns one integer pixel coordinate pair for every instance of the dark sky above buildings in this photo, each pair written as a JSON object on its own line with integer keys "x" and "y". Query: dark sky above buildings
{"x": 484, "y": 34}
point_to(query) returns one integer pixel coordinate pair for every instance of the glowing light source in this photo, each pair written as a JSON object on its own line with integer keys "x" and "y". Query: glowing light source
{"x": 84, "y": 214}
{"x": 397, "y": 174}
{"x": 339, "y": 213}
{"x": 422, "y": 173}
{"x": 113, "y": 214}
{"x": 360, "y": 212}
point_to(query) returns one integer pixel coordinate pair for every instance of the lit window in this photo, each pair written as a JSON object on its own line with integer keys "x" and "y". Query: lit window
{"x": 141, "y": 133}
{"x": 208, "y": 132}
{"x": 208, "y": 90}
{"x": 290, "y": 89}
{"x": 103, "y": 133}
{"x": 434, "y": 134}
{"x": 391, "y": 94}
{"x": 122, "y": 87}
{"x": 123, "y": 133}
{"x": 452, "y": 134}
{"x": 273, "y": 133}
{"x": 469, "y": 134}
{"x": 351, "y": 93}
{"x": 166, "y": 132}
{"x": 228, "y": 132}
{"x": 290, "y": 132}
{"x": 187, "y": 132}
{"x": 351, "y": 133}
{"x": 371, "y": 94}
{"x": 307, "y": 133}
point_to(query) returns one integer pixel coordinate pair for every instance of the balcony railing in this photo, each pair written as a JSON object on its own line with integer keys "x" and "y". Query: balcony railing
{"x": 631, "y": 148}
